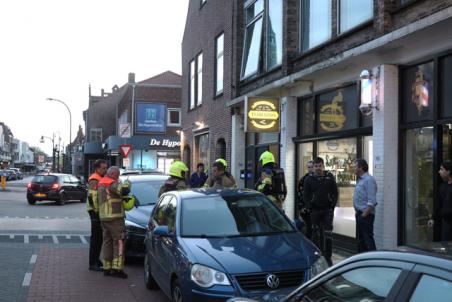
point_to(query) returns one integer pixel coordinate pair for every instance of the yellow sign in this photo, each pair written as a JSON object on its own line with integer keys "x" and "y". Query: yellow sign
{"x": 262, "y": 115}
{"x": 332, "y": 116}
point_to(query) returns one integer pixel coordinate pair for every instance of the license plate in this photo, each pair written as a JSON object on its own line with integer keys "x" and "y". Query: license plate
{"x": 40, "y": 195}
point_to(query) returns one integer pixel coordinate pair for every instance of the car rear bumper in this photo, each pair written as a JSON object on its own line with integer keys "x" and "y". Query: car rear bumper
{"x": 51, "y": 195}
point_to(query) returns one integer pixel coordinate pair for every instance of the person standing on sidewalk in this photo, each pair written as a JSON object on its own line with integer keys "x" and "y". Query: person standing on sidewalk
{"x": 365, "y": 201}
{"x": 113, "y": 202}
{"x": 92, "y": 206}
{"x": 320, "y": 194}
{"x": 220, "y": 178}
{"x": 304, "y": 211}
{"x": 198, "y": 178}
{"x": 445, "y": 195}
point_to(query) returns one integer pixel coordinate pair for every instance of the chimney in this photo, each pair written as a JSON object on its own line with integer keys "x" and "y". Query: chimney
{"x": 131, "y": 78}
{"x": 89, "y": 89}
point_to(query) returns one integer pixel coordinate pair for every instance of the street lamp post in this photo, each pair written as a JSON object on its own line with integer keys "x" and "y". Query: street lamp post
{"x": 70, "y": 128}
{"x": 53, "y": 148}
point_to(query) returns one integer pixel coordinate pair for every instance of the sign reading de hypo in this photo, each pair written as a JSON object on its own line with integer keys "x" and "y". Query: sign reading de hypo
{"x": 262, "y": 115}
{"x": 164, "y": 143}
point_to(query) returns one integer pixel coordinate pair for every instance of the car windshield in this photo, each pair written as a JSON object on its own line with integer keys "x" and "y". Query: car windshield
{"x": 217, "y": 216}
{"x": 44, "y": 179}
{"x": 146, "y": 192}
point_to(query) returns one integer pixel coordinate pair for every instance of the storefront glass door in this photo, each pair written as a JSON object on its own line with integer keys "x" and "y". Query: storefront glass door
{"x": 418, "y": 162}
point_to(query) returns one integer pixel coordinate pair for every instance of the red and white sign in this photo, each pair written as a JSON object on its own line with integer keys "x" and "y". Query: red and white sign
{"x": 125, "y": 149}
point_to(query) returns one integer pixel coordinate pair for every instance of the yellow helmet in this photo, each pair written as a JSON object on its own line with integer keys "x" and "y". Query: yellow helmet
{"x": 267, "y": 157}
{"x": 128, "y": 202}
{"x": 177, "y": 168}
{"x": 223, "y": 162}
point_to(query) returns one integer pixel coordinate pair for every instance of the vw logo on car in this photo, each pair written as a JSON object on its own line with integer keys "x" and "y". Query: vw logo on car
{"x": 272, "y": 281}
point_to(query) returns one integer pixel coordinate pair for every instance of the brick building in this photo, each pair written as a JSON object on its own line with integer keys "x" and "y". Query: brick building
{"x": 207, "y": 82}
{"x": 309, "y": 56}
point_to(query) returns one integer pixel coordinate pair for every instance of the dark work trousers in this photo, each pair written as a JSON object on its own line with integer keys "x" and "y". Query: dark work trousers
{"x": 446, "y": 229}
{"x": 306, "y": 216}
{"x": 322, "y": 232}
{"x": 365, "y": 232}
{"x": 95, "y": 242}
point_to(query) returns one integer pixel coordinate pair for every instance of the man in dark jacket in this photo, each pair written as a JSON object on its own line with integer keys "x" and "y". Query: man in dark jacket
{"x": 305, "y": 213}
{"x": 445, "y": 195}
{"x": 198, "y": 178}
{"x": 320, "y": 194}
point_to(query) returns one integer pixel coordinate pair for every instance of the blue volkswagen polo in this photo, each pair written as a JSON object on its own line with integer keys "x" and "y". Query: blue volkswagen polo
{"x": 211, "y": 245}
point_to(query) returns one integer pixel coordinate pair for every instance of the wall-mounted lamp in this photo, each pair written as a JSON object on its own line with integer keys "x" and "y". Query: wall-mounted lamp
{"x": 199, "y": 124}
{"x": 366, "y": 83}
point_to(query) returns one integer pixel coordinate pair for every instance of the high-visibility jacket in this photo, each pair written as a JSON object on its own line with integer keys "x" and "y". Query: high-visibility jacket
{"x": 92, "y": 204}
{"x": 110, "y": 199}
{"x": 225, "y": 180}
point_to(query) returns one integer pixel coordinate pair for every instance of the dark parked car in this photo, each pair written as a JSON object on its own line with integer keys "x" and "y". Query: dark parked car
{"x": 145, "y": 188}
{"x": 19, "y": 174}
{"x": 10, "y": 174}
{"x": 211, "y": 245}
{"x": 55, "y": 186}
{"x": 377, "y": 276}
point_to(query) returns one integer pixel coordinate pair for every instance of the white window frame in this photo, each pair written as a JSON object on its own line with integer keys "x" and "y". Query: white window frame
{"x": 192, "y": 85}
{"x": 199, "y": 79}
{"x": 219, "y": 58}
{"x": 169, "y": 117}
{"x": 91, "y": 131}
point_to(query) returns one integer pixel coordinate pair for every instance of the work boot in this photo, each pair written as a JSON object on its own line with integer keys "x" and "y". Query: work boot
{"x": 118, "y": 274}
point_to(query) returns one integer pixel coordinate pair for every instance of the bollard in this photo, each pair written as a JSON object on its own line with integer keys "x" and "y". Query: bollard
{"x": 3, "y": 182}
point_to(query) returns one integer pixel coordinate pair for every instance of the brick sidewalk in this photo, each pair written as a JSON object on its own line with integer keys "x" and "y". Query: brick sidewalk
{"x": 61, "y": 274}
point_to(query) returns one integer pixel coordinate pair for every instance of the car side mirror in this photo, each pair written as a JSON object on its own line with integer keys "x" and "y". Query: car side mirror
{"x": 162, "y": 230}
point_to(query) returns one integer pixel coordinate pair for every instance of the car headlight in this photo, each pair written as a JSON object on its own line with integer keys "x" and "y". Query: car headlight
{"x": 206, "y": 277}
{"x": 319, "y": 266}
{"x": 134, "y": 227}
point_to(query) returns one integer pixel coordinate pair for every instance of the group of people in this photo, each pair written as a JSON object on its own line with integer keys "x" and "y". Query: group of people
{"x": 317, "y": 197}
{"x": 106, "y": 205}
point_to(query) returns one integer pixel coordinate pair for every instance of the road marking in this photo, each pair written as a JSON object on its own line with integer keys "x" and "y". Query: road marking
{"x": 82, "y": 238}
{"x": 26, "y": 239}
{"x": 27, "y": 279}
{"x": 33, "y": 258}
{"x": 55, "y": 239}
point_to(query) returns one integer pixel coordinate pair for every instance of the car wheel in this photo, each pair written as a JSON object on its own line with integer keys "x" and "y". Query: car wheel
{"x": 176, "y": 292}
{"x": 62, "y": 200}
{"x": 31, "y": 201}
{"x": 148, "y": 279}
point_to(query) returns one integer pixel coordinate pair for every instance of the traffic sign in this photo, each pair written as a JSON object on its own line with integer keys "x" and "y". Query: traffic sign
{"x": 125, "y": 149}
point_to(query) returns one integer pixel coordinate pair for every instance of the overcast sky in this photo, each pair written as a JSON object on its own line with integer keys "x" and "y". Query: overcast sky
{"x": 56, "y": 48}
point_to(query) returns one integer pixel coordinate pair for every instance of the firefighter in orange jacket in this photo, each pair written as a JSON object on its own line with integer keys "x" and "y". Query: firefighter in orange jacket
{"x": 92, "y": 206}
{"x": 113, "y": 202}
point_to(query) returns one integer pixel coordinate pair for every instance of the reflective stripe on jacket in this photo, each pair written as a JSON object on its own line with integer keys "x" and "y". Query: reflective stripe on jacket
{"x": 110, "y": 199}
{"x": 92, "y": 204}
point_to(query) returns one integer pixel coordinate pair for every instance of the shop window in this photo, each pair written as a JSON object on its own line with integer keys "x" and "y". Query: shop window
{"x": 262, "y": 16}
{"x": 173, "y": 117}
{"x": 315, "y": 22}
{"x": 339, "y": 156}
{"x": 338, "y": 110}
{"x": 95, "y": 134}
{"x": 418, "y": 201}
{"x": 186, "y": 156}
{"x": 306, "y": 153}
{"x": 447, "y": 142}
{"x": 220, "y": 149}
{"x": 267, "y": 137}
{"x": 219, "y": 64}
{"x": 418, "y": 93}
{"x": 353, "y": 13}
{"x": 446, "y": 88}
{"x": 307, "y": 115}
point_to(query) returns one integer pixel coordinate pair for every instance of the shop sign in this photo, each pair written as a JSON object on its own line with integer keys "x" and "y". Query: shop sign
{"x": 262, "y": 115}
{"x": 419, "y": 95}
{"x": 164, "y": 143}
{"x": 150, "y": 118}
{"x": 331, "y": 115}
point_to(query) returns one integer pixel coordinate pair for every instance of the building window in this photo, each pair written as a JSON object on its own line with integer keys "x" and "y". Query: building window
{"x": 220, "y": 149}
{"x": 253, "y": 52}
{"x": 203, "y": 150}
{"x": 192, "y": 84}
{"x": 315, "y": 23}
{"x": 96, "y": 134}
{"x": 199, "y": 79}
{"x": 219, "y": 48}
{"x": 173, "y": 117}
{"x": 354, "y": 12}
